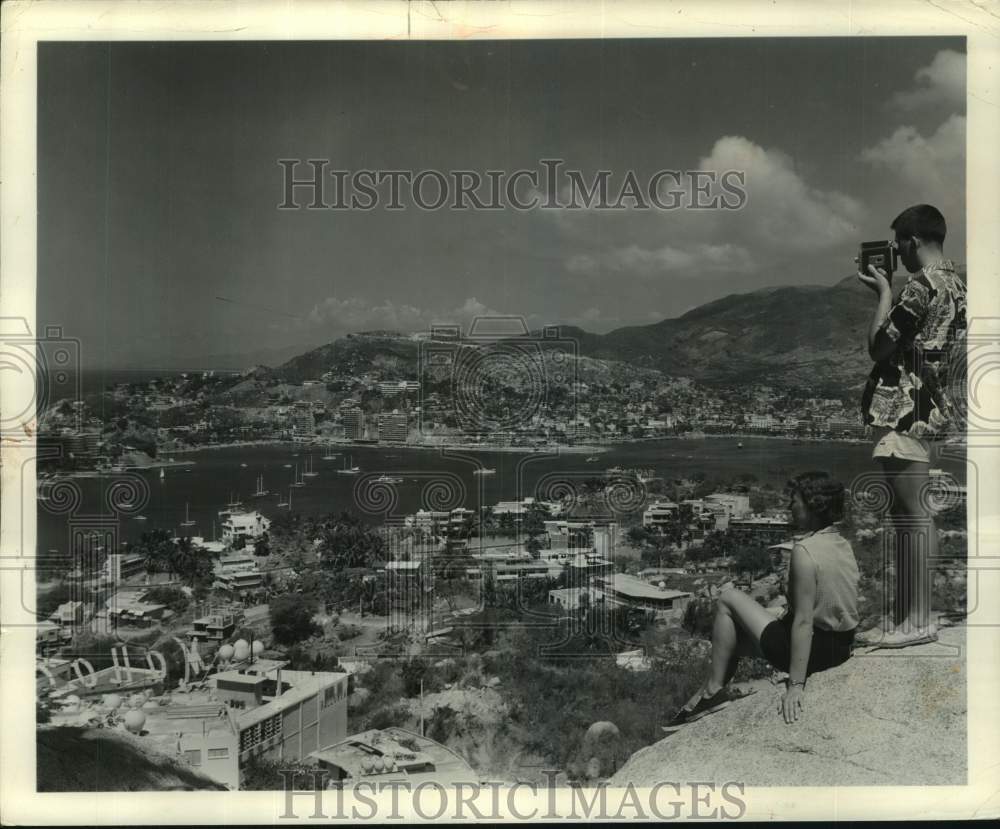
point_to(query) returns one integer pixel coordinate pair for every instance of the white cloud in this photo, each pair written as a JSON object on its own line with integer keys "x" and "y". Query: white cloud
{"x": 933, "y": 165}
{"x": 646, "y": 262}
{"x": 356, "y": 314}
{"x": 940, "y": 84}
{"x": 783, "y": 213}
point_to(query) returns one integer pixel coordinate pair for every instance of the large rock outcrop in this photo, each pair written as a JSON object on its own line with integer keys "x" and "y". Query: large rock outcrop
{"x": 76, "y": 759}
{"x": 883, "y": 718}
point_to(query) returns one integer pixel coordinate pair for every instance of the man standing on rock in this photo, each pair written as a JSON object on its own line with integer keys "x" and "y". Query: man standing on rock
{"x": 913, "y": 342}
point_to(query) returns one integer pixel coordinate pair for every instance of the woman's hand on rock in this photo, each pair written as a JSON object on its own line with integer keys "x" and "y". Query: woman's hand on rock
{"x": 791, "y": 703}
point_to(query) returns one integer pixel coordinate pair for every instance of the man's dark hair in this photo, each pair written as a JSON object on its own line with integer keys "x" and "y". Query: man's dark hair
{"x": 923, "y": 221}
{"x": 822, "y": 494}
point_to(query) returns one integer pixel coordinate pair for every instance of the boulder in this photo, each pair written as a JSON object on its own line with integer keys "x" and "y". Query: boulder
{"x": 883, "y": 718}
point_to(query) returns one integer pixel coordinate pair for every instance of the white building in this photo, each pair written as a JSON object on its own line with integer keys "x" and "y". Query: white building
{"x": 659, "y": 514}
{"x": 518, "y": 509}
{"x": 238, "y": 573}
{"x": 629, "y": 591}
{"x": 238, "y": 527}
{"x": 736, "y": 505}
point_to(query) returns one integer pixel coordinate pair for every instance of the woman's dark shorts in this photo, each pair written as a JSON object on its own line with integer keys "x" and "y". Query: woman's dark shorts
{"x": 829, "y": 648}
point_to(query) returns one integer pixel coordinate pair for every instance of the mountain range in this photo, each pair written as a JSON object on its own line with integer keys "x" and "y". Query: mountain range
{"x": 806, "y": 336}
{"x": 810, "y": 336}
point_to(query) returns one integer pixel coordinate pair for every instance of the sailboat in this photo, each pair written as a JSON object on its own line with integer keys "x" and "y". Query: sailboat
{"x": 349, "y": 469}
{"x": 187, "y": 522}
{"x": 288, "y": 503}
{"x": 387, "y": 479}
{"x": 329, "y": 456}
{"x": 234, "y": 502}
{"x": 163, "y": 474}
{"x": 309, "y": 473}
{"x": 261, "y": 492}
{"x": 297, "y": 482}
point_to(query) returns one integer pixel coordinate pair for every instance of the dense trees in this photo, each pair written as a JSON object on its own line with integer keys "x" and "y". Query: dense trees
{"x": 348, "y": 542}
{"x": 194, "y": 566}
{"x": 291, "y": 620}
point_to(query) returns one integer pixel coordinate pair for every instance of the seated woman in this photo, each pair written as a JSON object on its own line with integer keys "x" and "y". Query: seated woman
{"x": 817, "y": 629}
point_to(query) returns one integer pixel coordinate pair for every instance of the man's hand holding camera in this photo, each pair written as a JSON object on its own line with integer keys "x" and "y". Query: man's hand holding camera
{"x": 876, "y": 279}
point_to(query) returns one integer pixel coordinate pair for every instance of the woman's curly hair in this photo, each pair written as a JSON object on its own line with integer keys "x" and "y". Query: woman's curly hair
{"x": 822, "y": 494}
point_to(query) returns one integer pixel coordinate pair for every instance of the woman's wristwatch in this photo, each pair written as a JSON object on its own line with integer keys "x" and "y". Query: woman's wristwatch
{"x": 802, "y": 683}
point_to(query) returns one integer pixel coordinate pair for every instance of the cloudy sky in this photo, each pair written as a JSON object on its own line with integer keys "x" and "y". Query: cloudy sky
{"x": 160, "y": 241}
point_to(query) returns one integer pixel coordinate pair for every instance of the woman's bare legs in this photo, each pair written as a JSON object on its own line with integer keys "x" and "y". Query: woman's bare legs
{"x": 739, "y": 623}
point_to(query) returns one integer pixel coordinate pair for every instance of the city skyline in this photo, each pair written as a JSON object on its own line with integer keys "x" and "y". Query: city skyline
{"x": 160, "y": 241}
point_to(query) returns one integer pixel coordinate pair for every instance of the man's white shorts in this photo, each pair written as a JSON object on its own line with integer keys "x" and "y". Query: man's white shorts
{"x": 893, "y": 444}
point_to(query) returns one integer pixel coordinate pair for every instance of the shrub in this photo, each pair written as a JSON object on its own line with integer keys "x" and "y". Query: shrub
{"x": 443, "y": 723}
{"x": 413, "y": 672}
{"x": 348, "y": 631}
{"x": 291, "y": 621}
{"x": 173, "y": 597}
{"x": 389, "y": 716}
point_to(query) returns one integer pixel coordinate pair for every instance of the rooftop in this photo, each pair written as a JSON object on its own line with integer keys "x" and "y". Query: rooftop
{"x": 403, "y": 565}
{"x": 637, "y": 588}
{"x": 415, "y": 757}
{"x": 304, "y": 685}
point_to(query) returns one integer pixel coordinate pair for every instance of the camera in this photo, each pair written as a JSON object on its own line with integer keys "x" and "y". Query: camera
{"x": 881, "y": 254}
{"x": 498, "y": 379}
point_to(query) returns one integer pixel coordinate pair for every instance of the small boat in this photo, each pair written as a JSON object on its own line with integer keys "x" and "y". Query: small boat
{"x": 309, "y": 473}
{"x": 286, "y": 504}
{"x": 163, "y": 474}
{"x": 387, "y": 479}
{"x": 243, "y": 465}
{"x": 140, "y": 518}
{"x": 186, "y": 470}
{"x": 261, "y": 492}
{"x": 187, "y": 522}
{"x": 484, "y": 471}
{"x": 349, "y": 469}
{"x": 298, "y": 482}
{"x": 592, "y": 459}
{"x": 329, "y": 456}
{"x": 739, "y": 445}
{"x": 287, "y": 466}
{"x": 234, "y": 503}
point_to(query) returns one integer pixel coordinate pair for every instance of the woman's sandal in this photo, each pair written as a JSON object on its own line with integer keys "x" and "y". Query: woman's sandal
{"x": 707, "y": 705}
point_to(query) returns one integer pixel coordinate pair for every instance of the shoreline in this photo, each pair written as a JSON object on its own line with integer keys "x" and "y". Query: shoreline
{"x": 576, "y": 449}
{"x": 589, "y": 449}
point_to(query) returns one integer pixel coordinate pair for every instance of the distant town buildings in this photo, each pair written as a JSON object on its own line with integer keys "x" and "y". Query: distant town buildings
{"x": 392, "y": 427}
{"x": 353, "y": 420}
{"x": 303, "y": 423}
{"x": 391, "y": 388}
